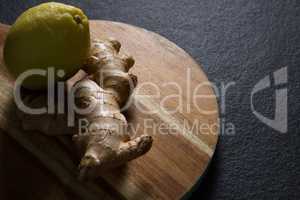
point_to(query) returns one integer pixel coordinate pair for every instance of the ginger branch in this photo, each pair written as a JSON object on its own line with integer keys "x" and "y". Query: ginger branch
{"x": 106, "y": 143}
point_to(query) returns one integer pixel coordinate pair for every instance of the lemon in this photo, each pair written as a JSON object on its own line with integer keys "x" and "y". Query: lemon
{"x": 50, "y": 35}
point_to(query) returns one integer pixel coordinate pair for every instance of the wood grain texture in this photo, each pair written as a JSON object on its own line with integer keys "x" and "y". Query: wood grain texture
{"x": 179, "y": 156}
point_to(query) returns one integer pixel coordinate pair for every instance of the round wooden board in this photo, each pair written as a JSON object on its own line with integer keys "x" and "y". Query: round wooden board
{"x": 174, "y": 103}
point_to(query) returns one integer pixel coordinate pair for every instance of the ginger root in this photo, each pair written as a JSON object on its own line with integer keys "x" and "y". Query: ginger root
{"x": 105, "y": 142}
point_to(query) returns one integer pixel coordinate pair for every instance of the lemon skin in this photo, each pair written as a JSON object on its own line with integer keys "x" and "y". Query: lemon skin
{"x": 48, "y": 35}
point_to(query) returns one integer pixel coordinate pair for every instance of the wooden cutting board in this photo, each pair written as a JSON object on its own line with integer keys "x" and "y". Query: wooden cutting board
{"x": 184, "y": 138}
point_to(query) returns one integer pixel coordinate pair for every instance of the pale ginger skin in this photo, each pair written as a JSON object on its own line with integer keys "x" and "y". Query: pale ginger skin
{"x": 105, "y": 142}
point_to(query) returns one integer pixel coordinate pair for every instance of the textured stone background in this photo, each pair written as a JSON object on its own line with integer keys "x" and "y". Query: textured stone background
{"x": 236, "y": 41}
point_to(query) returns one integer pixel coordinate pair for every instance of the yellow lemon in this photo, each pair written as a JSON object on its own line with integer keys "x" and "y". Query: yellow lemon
{"x": 50, "y": 35}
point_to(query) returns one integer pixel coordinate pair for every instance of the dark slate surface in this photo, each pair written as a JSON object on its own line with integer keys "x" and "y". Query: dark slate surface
{"x": 236, "y": 41}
